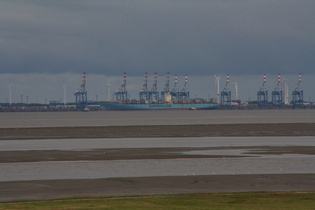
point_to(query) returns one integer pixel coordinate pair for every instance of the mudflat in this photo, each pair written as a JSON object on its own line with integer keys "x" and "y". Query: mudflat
{"x": 109, "y": 154}
{"x": 40, "y": 189}
{"x": 264, "y": 129}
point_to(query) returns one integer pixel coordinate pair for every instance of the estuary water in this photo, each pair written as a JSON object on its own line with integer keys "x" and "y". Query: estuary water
{"x": 145, "y": 168}
{"x": 162, "y": 117}
{"x": 257, "y": 164}
{"x": 298, "y": 163}
{"x": 110, "y": 143}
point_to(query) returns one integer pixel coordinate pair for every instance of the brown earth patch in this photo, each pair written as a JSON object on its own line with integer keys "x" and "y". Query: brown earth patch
{"x": 42, "y": 189}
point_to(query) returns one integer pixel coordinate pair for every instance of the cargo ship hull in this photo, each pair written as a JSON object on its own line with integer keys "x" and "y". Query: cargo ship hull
{"x": 127, "y": 106}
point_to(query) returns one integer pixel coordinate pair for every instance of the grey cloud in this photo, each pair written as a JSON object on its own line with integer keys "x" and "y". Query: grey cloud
{"x": 194, "y": 37}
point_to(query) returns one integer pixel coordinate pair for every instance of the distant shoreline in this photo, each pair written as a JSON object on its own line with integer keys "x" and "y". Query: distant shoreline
{"x": 72, "y": 108}
{"x": 213, "y": 130}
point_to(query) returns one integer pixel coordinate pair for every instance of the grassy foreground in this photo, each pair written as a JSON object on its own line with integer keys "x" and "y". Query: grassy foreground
{"x": 270, "y": 200}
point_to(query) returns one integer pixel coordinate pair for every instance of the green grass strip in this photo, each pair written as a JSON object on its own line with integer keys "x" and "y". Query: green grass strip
{"x": 254, "y": 200}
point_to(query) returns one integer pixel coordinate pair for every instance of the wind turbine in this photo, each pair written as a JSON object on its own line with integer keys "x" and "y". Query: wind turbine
{"x": 285, "y": 87}
{"x": 64, "y": 94}
{"x": 10, "y": 93}
{"x": 217, "y": 81}
{"x": 108, "y": 90}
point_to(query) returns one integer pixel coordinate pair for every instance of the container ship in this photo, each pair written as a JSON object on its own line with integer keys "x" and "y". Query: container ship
{"x": 149, "y": 99}
{"x": 153, "y": 106}
{"x": 152, "y": 99}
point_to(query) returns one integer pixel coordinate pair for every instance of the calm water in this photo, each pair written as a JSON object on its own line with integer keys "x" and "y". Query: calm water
{"x": 87, "y": 144}
{"x": 143, "y": 168}
{"x": 166, "y": 117}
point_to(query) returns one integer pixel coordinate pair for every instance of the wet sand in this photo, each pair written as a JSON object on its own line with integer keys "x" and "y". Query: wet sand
{"x": 146, "y": 153}
{"x": 40, "y": 189}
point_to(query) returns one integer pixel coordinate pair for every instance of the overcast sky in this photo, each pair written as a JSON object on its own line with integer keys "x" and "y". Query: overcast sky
{"x": 55, "y": 41}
